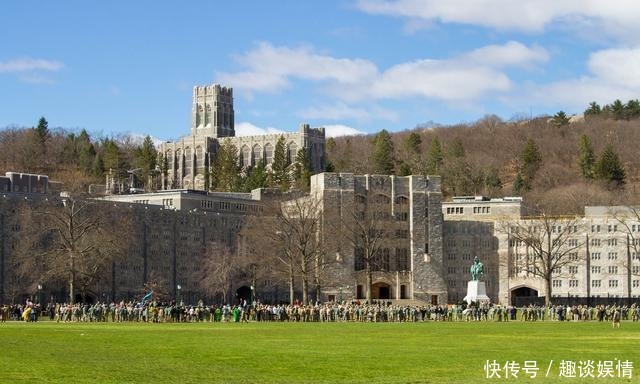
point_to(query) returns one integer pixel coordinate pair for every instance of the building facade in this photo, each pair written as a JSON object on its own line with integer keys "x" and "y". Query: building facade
{"x": 405, "y": 213}
{"x": 599, "y": 251}
{"x": 189, "y": 158}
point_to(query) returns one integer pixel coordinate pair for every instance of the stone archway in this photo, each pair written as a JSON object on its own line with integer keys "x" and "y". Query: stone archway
{"x": 381, "y": 291}
{"x": 524, "y": 295}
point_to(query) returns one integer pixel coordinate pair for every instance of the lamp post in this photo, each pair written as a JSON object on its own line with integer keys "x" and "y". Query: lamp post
{"x": 252, "y": 298}
{"x": 39, "y": 291}
{"x": 178, "y": 301}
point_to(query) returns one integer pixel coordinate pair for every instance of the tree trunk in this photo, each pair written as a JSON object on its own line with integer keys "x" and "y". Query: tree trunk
{"x": 547, "y": 296}
{"x": 369, "y": 283}
{"x": 291, "y": 282}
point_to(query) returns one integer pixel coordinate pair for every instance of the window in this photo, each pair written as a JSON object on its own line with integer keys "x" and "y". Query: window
{"x": 613, "y": 283}
{"x": 292, "y": 152}
{"x": 573, "y": 242}
{"x": 188, "y": 161}
{"x": 635, "y": 270}
{"x": 596, "y": 269}
{"x": 245, "y": 156}
{"x": 268, "y": 153}
{"x": 612, "y": 242}
{"x": 636, "y": 283}
{"x": 595, "y": 242}
{"x": 451, "y": 270}
{"x": 256, "y": 154}
{"x": 573, "y": 269}
{"x": 595, "y": 255}
{"x": 613, "y": 269}
{"x": 596, "y": 283}
{"x": 557, "y": 283}
{"x": 612, "y": 256}
{"x": 402, "y": 259}
{"x": 573, "y": 283}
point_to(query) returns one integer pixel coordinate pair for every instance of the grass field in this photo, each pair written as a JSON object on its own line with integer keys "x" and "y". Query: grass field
{"x": 47, "y": 352}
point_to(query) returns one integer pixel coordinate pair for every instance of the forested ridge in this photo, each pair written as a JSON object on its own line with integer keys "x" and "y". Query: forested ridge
{"x": 574, "y": 162}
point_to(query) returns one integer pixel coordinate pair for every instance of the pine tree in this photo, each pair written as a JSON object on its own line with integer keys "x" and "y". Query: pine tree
{"x": 586, "y": 159}
{"x": 609, "y": 167}
{"x": 257, "y": 177}
{"x": 593, "y": 110}
{"x": 42, "y": 130}
{"x": 303, "y": 170}
{"x": 435, "y": 158}
{"x": 225, "y": 174}
{"x": 404, "y": 169}
{"x": 280, "y": 173}
{"x": 518, "y": 185}
{"x": 492, "y": 182}
{"x": 85, "y": 151}
{"x": 531, "y": 160}
{"x": 560, "y": 119}
{"x": 413, "y": 143}
{"x": 383, "y": 156}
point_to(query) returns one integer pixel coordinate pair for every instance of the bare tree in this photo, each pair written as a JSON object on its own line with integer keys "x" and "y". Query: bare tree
{"x": 74, "y": 241}
{"x": 629, "y": 219}
{"x": 551, "y": 243}
{"x": 219, "y": 266}
{"x": 368, "y": 227}
{"x": 288, "y": 234}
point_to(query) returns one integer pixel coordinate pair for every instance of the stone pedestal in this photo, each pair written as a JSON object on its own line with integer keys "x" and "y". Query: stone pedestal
{"x": 476, "y": 291}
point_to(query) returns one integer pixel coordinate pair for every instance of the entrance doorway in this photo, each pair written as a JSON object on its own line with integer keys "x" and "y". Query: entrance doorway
{"x": 244, "y": 293}
{"x": 381, "y": 291}
{"x": 524, "y": 296}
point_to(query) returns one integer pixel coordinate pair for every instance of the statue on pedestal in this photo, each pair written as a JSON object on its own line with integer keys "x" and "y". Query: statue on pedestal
{"x": 477, "y": 270}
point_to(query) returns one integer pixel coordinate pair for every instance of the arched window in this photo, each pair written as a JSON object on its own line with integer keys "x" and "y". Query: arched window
{"x": 169, "y": 156}
{"x": 256, "y": 154}
{"x": 292, "y": 152}
{"x": 179, "y": 160}
{"x": 199, "y": 160}
{"x": 245, "y": 156}
{"x": 402, "y": 208}
{"x": 188, "y": 161}
{"x": 268, "y": 153}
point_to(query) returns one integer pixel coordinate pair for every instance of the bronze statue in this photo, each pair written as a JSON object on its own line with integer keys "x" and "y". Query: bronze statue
{"x": 477, "y": 270}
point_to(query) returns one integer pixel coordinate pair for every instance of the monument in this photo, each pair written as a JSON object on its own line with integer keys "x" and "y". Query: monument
{"x": 476, "y": 288}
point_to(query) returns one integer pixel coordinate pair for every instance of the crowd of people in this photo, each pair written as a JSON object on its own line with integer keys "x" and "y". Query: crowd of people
{"x": 353, "y": 311}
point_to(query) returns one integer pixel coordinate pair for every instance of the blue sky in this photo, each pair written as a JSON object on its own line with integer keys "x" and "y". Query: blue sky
{"x": 350, "y": 65}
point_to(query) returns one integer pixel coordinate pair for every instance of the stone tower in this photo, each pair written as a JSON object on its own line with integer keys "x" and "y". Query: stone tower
{"x": 212, "y": 112}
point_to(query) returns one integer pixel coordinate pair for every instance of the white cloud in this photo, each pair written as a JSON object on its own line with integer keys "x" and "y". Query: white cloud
{"x": 248, "y": 129}
{"x": 342, "y": 111}
{"x": 29, "y": 64}
{"x": 613, "y": 74}
{"x": 336, "y": 130}
{"x": 269, "y": 68}
{"x": 509, "y": 54}
{"x": 617, "y": 66}
{"x": 464, "y": 77}
{"x": 617, "y": 19}
{"x": 34, "y": 78}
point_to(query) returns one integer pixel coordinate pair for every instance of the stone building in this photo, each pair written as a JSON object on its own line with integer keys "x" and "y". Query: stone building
{"x": 24, "y": 183}
{"x": 409, "y": 263}
{"x": 601, "y": 249}
{"x": 212, "y": 120}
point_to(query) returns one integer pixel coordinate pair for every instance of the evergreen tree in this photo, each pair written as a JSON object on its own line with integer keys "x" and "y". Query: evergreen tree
{"x": 145, "y": 157}
{"x": 593, "y": 110}
{"x": 257, "y": 177}
{"x": 492, "y": 182}
{"x": 303, "y": 170}
{"x": 609, "y": 167}
{"x": 280, "y": 173}
{"x": 225, "y": 174}
{"x": 413, "y": 143}
{"x": 97, "y": 167}
{"x": 404, "y": 169}
{"x": 330, "y": 144}
{"x": 518, "y": 185}
{"x": 42, "y": 130}
{"x": 531, "y": 160}
{"x": 85, "y": 151}
{"x": 383, "y": 156}
{"x": 112, "y": 156}
{"x": 435, "y": 158}
{"x": 587, "y": 158}
{"x": 618, "y": 110}
{"x": 560, "y": 119}
{"x": 633, "y": 109}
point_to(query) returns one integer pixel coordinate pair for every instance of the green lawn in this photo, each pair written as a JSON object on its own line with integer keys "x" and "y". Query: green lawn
{"x": 47, "y": 352}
